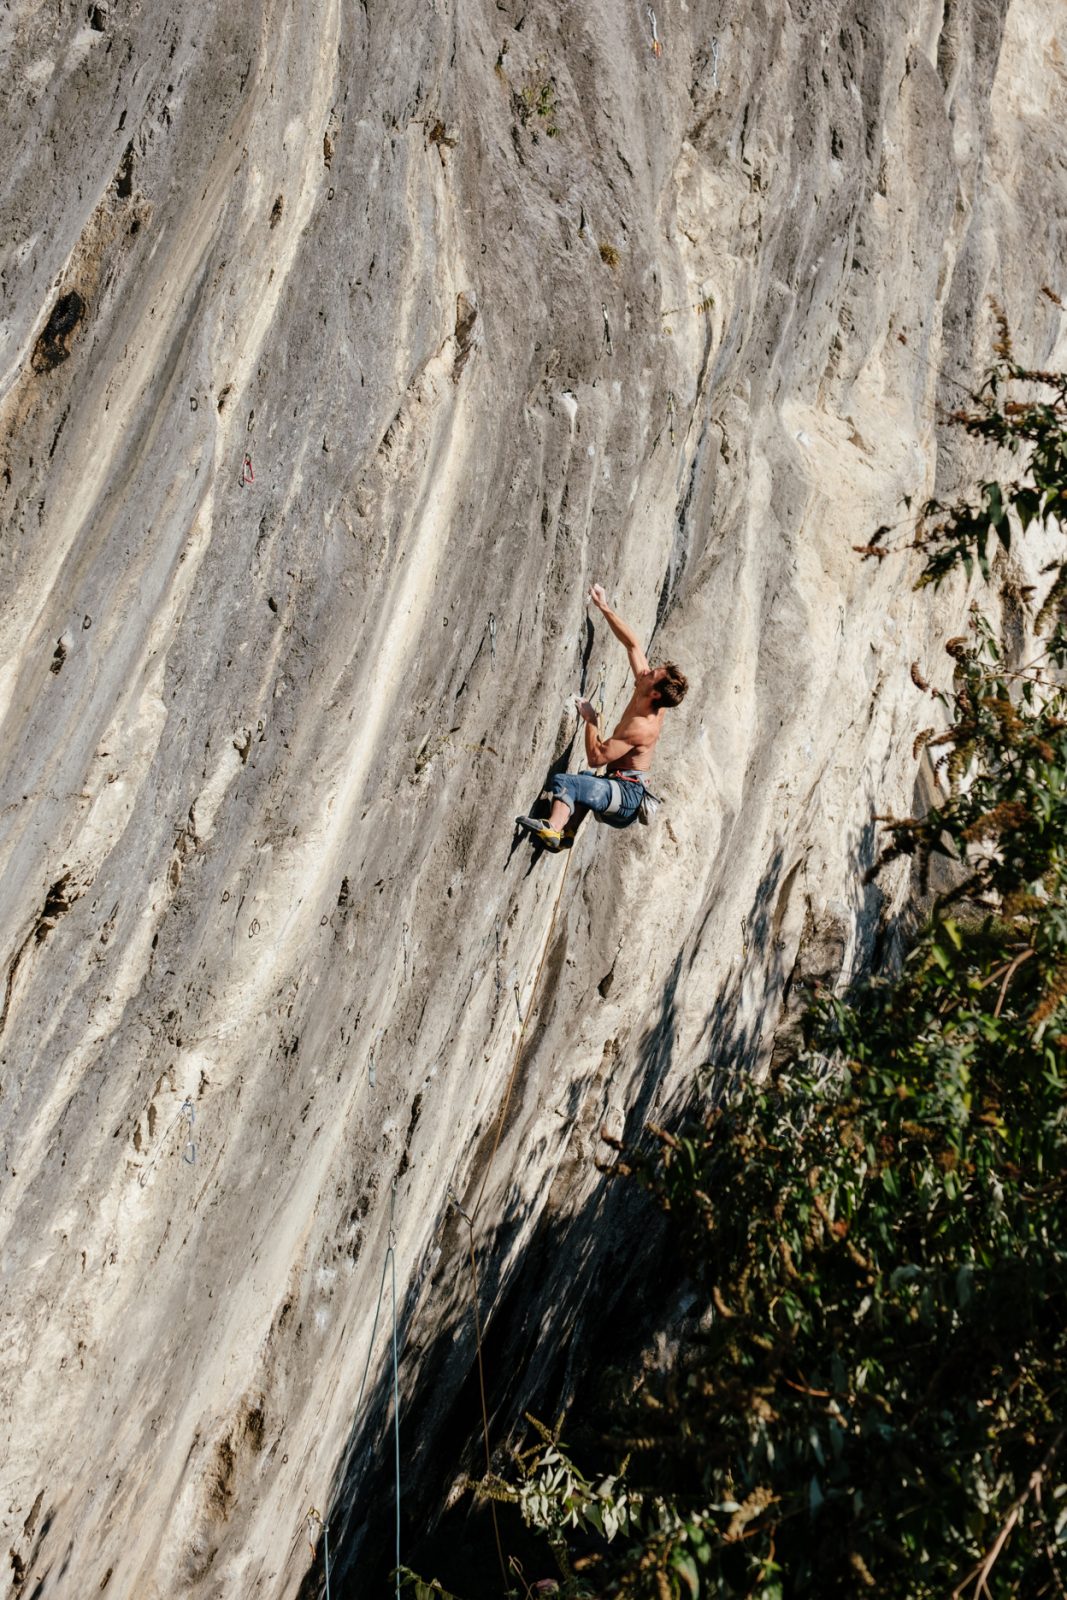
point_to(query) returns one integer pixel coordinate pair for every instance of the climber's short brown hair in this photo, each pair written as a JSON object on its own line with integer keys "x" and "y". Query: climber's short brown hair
{"x": 671, "y": 690}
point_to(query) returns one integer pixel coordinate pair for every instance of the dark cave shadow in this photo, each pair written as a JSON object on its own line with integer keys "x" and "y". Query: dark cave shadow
{"x": 566, "y": 1317}
{"x": 584, "y": 1294}
{"x": 548, "y": 1318}
{"x": 759, "y": 1012}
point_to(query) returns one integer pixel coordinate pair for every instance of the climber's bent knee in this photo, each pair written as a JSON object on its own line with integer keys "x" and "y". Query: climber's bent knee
{"x": 605, "y": 796}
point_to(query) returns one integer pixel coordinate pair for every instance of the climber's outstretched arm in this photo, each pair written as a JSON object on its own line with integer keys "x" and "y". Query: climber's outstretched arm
{"x": 622, "y": 631}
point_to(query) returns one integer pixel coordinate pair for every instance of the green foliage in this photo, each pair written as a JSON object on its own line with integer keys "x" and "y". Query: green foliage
{"x": 873, "y": 1391}
{"x": 425, "y": 1589}
{"x": 1022, "y": 412}
{"x": 539, "y": 99}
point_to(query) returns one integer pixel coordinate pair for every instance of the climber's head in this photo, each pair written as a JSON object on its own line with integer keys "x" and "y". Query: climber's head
{"x": 669, "y": 684}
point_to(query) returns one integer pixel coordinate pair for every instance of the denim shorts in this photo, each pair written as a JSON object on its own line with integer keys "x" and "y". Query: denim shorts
{"x": 613, "y": 799}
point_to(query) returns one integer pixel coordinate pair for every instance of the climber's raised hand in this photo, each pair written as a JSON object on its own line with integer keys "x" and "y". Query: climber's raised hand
{"x": 622, "y": 631}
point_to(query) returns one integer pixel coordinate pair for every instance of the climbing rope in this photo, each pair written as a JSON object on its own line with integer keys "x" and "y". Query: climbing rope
{"x": 523, "y": 1021}
{"x": 316, "y": 1516}
{"x": 470, "y": 1217}
{"x": 469, "y": 1220}
{"x": 388, "y": 1265}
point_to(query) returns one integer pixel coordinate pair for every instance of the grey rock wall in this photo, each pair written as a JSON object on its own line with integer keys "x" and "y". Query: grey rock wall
{"x": 343, "y": 346}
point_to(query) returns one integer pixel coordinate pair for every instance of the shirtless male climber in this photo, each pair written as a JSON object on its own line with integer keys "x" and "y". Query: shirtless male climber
{"x": 627, "y": 755}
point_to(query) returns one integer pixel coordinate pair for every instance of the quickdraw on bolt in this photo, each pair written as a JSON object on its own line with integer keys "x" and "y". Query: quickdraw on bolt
{"x": 189, "y": 1153}
{"x": 313, "y": 1516}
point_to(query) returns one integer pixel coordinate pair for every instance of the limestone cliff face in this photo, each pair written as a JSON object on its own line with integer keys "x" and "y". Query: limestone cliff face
{"x": 344, "y": 345}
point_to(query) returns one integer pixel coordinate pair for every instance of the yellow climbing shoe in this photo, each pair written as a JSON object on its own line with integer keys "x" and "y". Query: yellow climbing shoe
{"x": 542, "y": 832}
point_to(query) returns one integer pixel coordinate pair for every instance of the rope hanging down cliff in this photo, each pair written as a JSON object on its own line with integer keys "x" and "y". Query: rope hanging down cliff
{"x": 389, "y": 1261}
{"x": 313, "y": 1515}
{"x": 471, "y": 1217}
{"x": 616, "y": 798}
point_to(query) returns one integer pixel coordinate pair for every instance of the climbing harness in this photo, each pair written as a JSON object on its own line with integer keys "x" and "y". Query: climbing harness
{"x": 645, "y": 809}
{"x": 614, "y": 805}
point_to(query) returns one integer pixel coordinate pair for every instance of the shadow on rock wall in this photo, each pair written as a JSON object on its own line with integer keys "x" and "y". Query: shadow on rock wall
{"x": 571, "y": 1314}
{"x": 584, "y": 1297}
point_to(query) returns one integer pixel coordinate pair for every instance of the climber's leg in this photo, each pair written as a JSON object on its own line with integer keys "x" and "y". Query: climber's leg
{"x": 559, "y": 814}
{"x": 578, "y": 816}
{"x": 573, "y": 795}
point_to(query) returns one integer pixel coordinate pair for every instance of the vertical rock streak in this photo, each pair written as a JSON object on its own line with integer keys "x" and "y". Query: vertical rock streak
{"x": 343, "y": 346}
